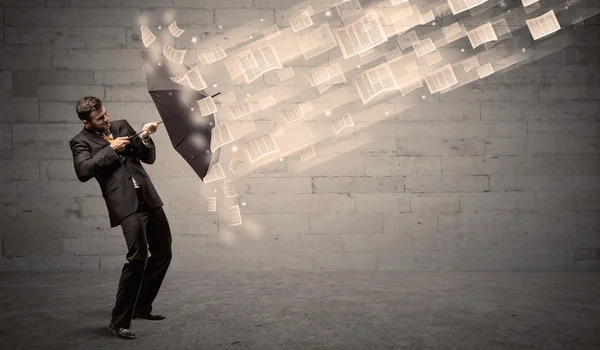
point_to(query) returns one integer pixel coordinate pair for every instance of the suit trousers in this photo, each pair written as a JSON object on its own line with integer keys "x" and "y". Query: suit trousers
{"x": 146, "y": 230}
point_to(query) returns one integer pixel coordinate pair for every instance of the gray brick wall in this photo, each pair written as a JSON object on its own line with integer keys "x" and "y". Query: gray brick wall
{"x": 500, "y": 174}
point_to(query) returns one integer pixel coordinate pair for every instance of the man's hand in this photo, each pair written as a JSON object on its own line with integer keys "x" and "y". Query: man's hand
{"x": 119, "y": 143}
{"x": 149, "y": 129}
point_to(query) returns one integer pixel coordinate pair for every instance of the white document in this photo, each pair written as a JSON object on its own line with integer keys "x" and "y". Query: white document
{"x": 393, "y": 55}
{"x": 294, "y": 114}
{"x": 229, "y": 189}
{"x": 485, "y": 70}
{"x": 147, "y": 36}
{"x": 174, "y": 30}
{"x": 272, "y": 33}
{"x": 309, "y": 9}
{"x": 398, "y": 13}
{"x": 235, "y": 216}
{"x": 227, "y": 99}
{"x": 348, "y": 8}
{"x": 316, "y": 42}
{"x": 257, "y": 62}
{"x": 208, "y": 56}
{"x": 214, "y": 173}
{"x": 267, "y": 102}
{"x": 374, "y": 82}
{"x": 433, "y": 58}
{"x": 543, "y": 25}
{"x": 307, "y": 153}
{"x": 286, "y": 73}
{"x": 458, "y": 6}
{"x": 454, "y": 31}
{"x": 207, "y": 106}
{"x": 241, "y": 109}
{"x": 398, "y": 2}
{"x": 532, "y": 7}
{"x": 337, "y": 77}
{"x": 234, "y": 164}
{"x": 361, "y": 35}
{"x": 482, "y": 34}
{"x": 423, "y": 47}
{"x": 192, "y": 78}
{"x": 261, "y": 147}
{"x": 410, "y": 82}
{"x": 441, "y": 79}
{"x": 426, "y": 17}
{"x": 502, "y": 29}
{"x": 319, "y": 75}
{"x": 443, "y": 10}
{"x": 212, "y": 203}
{"x": 470, "y": 63}
{"x": 221, "y": 136}
{"x": 407, "y": 39}
{"x": 234, "y": 66}
{"x": 301, "y": 22}
{"x": 172, "y": 54}
{"x": 341, "y": 122}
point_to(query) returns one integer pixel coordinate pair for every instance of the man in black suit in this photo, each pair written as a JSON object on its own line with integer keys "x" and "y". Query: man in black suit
{"x": 103, "y": 150}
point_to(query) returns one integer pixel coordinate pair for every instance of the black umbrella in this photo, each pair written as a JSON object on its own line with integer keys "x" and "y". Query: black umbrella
{"x": 189, "y": 131}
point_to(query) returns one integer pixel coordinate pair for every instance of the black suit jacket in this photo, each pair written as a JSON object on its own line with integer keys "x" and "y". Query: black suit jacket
{"x": 92, "y": 157}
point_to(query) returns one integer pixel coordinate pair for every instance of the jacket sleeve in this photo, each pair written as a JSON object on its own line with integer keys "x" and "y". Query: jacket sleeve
{"x": 86, "y": 166}
{"x": 146, "y": 154}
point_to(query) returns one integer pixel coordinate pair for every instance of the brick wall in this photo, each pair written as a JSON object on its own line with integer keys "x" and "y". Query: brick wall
{"x": 500, "y": 174}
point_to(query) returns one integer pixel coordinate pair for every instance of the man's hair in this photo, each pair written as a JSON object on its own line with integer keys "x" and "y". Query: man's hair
{"x": 86, "y": 105}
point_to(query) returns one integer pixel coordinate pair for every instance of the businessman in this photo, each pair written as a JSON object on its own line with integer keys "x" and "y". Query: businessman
{"x": 104, "y": 150}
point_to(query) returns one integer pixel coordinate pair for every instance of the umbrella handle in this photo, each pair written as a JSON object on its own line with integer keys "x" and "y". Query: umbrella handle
{"x": 139, "y": 133}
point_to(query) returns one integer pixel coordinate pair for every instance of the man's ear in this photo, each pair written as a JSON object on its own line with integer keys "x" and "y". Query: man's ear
{"x": 86, "y": 124}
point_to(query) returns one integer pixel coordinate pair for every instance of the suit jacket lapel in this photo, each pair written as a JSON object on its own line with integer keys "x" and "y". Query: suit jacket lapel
{"x": 95, "y": 137}
{"x": 92, "y": 135}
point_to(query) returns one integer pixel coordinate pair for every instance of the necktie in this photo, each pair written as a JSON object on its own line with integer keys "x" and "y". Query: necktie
{"x": 108, "y": 137}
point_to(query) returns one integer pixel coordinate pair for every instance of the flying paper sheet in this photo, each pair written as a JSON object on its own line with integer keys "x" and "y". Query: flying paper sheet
{"x": 214, "y": 173}
{"x": 235, "y": 217}
{"x": 361, "y": 35}
{"x": 316, "y": 42}
{"x": 441, "y": 79}
{"x": 482, "y": 34}
{"x": 261, "y": 147}
{"x": 543, "y": 25}
{"x": 341, "y": 122}
{"x": 172, "y": 54}
{"x": 147, "y": 36}
{"x": 174, "y": 30}
{"x": 374, "y": 82}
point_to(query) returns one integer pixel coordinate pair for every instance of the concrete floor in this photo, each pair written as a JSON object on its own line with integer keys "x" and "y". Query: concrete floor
{"x": 310, "y": 310}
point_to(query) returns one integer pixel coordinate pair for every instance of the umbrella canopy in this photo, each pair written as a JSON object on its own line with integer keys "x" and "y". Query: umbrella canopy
{"x": 189, "y": 132}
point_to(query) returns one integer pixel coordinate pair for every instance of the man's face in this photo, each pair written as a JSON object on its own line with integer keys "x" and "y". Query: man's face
{"x": 99, "y": 120}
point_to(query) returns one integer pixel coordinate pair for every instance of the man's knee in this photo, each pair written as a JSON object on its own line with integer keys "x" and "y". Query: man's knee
{"x": 138, "y": 256}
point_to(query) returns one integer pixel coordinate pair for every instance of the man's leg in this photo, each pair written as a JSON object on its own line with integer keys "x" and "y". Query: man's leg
{"x": 134, "y": 230}
{"x": 158, "y": 234}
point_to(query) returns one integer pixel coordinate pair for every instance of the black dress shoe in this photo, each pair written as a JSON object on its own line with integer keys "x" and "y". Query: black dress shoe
{"x": 148, "y": 316}
{"x": 121, "y": 332}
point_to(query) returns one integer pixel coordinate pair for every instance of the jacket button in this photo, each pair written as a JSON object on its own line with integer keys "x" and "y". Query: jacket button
{"x": 130, "y": 178}
{"x": 193, "y": 157}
